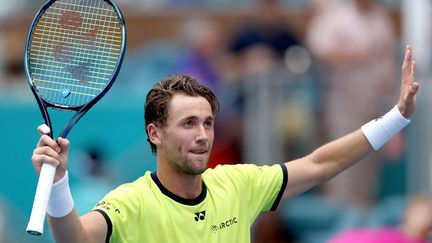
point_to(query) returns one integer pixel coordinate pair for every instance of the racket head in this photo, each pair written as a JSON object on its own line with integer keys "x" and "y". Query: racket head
{"x": 74, "y": 51}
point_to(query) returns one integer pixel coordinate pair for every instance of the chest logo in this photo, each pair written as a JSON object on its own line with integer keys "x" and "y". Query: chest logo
{"x": 223, "y": 225}
{"x": 200, "y": 216}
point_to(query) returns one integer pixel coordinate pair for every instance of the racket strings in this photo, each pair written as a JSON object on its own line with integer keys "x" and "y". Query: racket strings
{"x": 75, "y": 49}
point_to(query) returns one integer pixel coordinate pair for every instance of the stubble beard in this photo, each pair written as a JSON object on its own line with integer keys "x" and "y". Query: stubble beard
{"x": 190, "y": 167}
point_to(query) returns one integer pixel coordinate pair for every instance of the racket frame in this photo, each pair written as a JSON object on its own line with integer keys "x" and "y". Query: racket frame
{"x": 81, "y": 110}
{"x": 46, "y": 176}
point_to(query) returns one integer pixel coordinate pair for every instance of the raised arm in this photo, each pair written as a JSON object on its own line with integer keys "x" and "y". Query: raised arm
{"x": 332, "y": 158}
{"x": 65, "y": 224}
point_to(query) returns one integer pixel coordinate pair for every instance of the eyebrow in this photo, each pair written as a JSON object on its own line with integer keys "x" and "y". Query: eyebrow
{"x": 211, "y": 118}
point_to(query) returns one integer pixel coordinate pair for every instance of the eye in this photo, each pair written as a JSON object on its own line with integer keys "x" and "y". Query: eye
{"x": 208, "y": 124}
{"x": 189, "y": 123}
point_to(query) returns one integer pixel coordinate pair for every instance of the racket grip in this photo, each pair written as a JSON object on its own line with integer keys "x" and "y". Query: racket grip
{"x": 42, "y": 196}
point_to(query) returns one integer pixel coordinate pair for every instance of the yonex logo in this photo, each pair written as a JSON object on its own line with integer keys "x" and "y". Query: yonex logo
{"x": 200, "y": 215}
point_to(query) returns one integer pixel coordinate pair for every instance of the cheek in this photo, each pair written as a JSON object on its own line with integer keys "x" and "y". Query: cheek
{"x": 181, "y": 141}
{"x": 179, "y": 148}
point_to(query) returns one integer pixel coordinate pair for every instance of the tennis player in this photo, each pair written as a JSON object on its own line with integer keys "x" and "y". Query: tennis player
{"x": 183, "y": 200}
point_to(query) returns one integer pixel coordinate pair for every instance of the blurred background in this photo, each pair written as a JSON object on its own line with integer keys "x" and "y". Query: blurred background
{"x": 290, "y": 75}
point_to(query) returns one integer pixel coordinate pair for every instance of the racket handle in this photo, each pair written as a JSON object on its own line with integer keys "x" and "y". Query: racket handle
{"x": 42, "y": 196}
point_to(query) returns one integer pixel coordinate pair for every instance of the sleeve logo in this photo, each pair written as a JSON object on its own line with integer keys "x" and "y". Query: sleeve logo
{"x": 108, "y": 206}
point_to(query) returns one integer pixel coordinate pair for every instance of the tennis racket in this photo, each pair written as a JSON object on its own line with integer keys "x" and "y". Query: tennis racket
{"x": 73, "y": 54}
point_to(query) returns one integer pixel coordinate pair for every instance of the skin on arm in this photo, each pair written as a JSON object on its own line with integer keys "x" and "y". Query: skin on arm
{"x": 332, "y": 158}
{"x": 91, "y": 227}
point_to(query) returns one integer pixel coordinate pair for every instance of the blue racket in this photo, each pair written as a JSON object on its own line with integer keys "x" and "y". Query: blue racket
{"x": 73, "y": 54}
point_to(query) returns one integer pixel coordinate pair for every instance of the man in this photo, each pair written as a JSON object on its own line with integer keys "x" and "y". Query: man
{"x": 183, "y": 201}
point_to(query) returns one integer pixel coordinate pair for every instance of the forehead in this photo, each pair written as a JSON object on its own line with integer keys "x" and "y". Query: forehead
{"x": 185, "y": 106}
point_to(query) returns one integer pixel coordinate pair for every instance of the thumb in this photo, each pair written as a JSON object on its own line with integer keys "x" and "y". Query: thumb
{"x": 43, "y": 129}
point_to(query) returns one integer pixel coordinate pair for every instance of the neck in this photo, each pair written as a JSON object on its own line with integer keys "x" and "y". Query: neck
{"x": 182, "y": 185}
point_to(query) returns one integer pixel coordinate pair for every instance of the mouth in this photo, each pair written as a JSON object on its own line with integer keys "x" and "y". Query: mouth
{"x": 198, "y": 151}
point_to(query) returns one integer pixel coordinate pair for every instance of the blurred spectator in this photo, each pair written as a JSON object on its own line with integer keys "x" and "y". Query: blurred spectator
{"x": 268, "y": 59}
{"x": 356, "y": 43}
{"x": 266, "y": 56}
{"x": 264, "y": 39}
{"x": 415, "y": 227}
{"x": 203, "y": 48}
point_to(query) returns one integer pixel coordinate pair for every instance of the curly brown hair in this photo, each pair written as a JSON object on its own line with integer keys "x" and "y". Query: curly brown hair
{"x": 158, "y": 98}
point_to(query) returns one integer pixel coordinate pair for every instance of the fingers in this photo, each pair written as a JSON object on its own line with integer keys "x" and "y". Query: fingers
{"x": 43, "y": 129}
{"x": 50, "y": 151}
{"x": 413, "y": 91}
{"x": 64, "y": 145}
{"x": 46, "y": 140}
{"x": 408, "y": 66}
{"x": 412, "y": 86}
{"x": 413, "y": 68}
{"x": 409, "y": 87}
{"x": 46, "y": 155}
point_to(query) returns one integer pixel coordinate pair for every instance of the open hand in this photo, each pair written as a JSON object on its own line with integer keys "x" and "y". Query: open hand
{"x": 409, "y": 87}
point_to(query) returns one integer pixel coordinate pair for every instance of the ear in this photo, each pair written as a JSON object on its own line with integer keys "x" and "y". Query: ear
{"x": 153, "y": 134}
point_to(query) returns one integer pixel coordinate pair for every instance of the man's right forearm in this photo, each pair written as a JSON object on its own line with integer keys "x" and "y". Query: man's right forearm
{"x": 68, "y": 228}
{"x": 90, "y": 228}
{"x": 64, "y": 221}
{"x": 62, "y": 216}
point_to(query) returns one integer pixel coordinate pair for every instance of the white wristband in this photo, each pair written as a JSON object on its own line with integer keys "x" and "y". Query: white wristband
{"x": 381, "y": 130}
{"x": 60, "y": 202}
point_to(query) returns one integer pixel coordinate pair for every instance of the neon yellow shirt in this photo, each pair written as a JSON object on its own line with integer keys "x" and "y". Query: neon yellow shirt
{"x": 232, "y": 198}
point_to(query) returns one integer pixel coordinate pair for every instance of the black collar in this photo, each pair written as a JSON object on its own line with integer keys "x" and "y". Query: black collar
{"x": 179, "y": 199}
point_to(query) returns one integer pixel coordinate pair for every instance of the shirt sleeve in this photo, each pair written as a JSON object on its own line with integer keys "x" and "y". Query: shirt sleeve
{"x": 262, "y": 187}
{"x": 118, "y": 208}
{"x": 267, "y": 185}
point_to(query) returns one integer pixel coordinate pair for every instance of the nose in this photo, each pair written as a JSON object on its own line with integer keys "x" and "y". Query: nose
{"x": 202, "y": 134}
